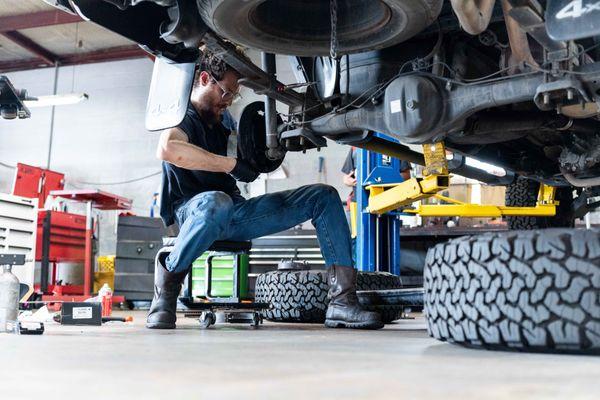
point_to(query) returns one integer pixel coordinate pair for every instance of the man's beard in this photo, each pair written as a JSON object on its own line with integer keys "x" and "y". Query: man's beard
{"x": 209, "y": 116}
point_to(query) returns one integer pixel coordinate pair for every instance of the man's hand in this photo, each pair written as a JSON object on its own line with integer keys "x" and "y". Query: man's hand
{"x": 350, "y": 179}
{"x": 243, "y": 171}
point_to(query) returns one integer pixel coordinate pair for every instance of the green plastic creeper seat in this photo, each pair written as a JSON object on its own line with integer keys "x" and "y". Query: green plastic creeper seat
{"x": 222, "y": 266}
{"x": 218, "y": 283}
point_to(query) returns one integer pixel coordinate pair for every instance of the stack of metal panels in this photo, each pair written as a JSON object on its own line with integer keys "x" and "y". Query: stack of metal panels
{"x": 293, "y": 244}
{"x": 18, "y": 219}
{"x": 138, "y": 241}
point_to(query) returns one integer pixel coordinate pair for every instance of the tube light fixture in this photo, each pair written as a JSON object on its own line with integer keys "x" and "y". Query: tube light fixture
{"x": 56, "y": 100}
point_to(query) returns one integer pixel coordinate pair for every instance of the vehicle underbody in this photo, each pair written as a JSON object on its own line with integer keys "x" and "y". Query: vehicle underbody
{"x": 515, "y": 83}
{"x": 510, "y": 82}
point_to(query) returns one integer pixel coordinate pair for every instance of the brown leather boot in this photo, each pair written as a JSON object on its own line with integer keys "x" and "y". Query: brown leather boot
{"x": 344, "y": 311}
{"x": 167, "y": 285}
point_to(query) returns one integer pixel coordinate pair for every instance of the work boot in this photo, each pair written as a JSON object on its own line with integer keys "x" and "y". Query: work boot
{"x": 167, "y": 285}
{"x": 344, "y": 311}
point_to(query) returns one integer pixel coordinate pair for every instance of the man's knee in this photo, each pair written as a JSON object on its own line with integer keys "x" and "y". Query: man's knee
{"x": 325, "y": 191}
{"x": 219, "y": 200}
{"x": 212, "y": 205}
{"x": 324, "y": 196}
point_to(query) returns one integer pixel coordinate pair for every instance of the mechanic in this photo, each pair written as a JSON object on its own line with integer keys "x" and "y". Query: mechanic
{"x": 200, "y": 194}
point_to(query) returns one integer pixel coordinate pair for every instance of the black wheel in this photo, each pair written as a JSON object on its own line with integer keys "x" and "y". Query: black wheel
{"x": 301, "y": 296}
{"x": 252, "y": 138}
{"x": 524, "y": 192}
{"x": 388, "y": 313}
{"x": 293, "y": 296}
{"x": 129, "y": 305}
{"x": 527, "y": 290}
{"x": 377, "y": 281}
{"x": 410, "y": 297}
{"x": 207, "y": 318}
{"x": 303, "y": 27}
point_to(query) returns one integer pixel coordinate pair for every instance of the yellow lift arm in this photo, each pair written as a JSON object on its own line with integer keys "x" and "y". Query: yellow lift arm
{"x": 388, "y": 197}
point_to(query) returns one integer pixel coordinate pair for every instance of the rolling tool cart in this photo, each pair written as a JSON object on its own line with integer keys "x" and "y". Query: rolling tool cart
{"x": 84, "y": 228}
{"x": 212, "y": 291}
{"x": 62, "y": 236}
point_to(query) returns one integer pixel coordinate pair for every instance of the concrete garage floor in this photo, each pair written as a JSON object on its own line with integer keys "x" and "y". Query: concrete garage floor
{"x": 277, "y": 361}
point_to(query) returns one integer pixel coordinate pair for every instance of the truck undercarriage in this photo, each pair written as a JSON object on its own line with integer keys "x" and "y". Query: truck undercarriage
{"x": 508, "y": 82}
{"x": 515, "y": 83}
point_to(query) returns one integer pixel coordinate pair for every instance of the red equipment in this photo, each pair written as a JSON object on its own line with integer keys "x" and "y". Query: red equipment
{"x": 60, "y": 237}
{"x": 63, "y": 236}
{"x": 101, "y": 201}
{"x": 35, "y": 182}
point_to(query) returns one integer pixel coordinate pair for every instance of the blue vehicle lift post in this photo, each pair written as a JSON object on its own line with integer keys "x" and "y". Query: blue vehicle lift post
{"x": 378, "y": 236}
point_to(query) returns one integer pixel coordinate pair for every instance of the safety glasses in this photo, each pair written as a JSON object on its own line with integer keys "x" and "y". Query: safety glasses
{"x": 226, "y": 95}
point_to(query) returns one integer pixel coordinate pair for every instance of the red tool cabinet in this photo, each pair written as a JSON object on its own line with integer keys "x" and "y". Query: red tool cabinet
{"x": 60, "y": 238}
{"x": 36, "y": 183}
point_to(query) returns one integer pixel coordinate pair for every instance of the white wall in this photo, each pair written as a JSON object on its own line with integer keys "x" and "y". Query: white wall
{"x": 100, "y": 140}
{"x": 104, "y": 140}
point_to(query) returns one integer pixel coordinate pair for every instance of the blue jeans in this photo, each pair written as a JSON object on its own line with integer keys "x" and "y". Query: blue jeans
{"x": 212, "y": 216}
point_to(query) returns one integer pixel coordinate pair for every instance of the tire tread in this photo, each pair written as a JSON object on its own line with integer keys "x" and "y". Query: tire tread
{"x": 301, "y": 296}
{"x": 545, "y": 296}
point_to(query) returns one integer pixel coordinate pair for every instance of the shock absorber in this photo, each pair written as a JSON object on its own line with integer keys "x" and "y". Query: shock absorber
{"x": 274, "y": 151}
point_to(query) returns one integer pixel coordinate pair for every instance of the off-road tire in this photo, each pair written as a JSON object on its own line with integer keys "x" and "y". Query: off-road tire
{"x": 301, "y": 296}
{"x": 409, "y": 297}
{"x": 377, "y": 281}
{"x": 524, "y": 290}
{"x": 237, "y": 21}
{"x": 293, "y": 296}
{"x": 523, "y": 192}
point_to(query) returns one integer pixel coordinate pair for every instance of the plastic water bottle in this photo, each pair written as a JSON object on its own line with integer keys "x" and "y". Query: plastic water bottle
{"x": 105, "y": 294}
{"x": 9, "y": 298}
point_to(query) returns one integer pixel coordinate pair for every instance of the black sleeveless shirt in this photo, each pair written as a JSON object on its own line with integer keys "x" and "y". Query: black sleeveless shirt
{"x": 178, "y": 184}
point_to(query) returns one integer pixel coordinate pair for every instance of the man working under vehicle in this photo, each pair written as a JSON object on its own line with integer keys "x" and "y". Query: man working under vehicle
{"x": 200, "y": 194}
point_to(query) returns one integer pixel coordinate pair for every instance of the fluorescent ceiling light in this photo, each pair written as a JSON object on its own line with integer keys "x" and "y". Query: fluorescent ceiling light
{"x": 57, "y": 100}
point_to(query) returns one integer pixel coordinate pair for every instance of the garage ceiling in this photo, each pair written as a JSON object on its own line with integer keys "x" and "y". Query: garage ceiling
{"x": 34, "y": 34}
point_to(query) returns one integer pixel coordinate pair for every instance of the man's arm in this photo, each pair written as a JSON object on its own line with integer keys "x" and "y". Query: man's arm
{"x": 405, "y": 170}
{"x": 405, "y": 174}
{"x": 349, "y": 170}
{"x": 174, "y": 148}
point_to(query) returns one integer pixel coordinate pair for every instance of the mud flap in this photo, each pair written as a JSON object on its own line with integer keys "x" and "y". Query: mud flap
{"x": 169, "y": 94}
{"x": 573, "y": 19}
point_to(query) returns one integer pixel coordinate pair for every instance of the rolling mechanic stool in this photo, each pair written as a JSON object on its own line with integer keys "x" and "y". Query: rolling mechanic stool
{"x": 234, "y": 309}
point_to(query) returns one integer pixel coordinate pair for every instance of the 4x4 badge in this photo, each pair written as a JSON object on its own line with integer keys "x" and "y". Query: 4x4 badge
{"x": 576, "y": 9}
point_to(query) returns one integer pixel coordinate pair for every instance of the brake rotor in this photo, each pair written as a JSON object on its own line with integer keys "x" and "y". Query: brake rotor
{"x": 252, "y": 142}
